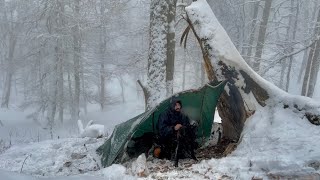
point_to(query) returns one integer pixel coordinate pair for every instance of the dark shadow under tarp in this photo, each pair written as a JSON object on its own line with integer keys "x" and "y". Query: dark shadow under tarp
{"x": 199, "y": 105}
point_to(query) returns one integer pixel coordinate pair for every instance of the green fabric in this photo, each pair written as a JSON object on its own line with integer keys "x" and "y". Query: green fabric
{"x": 199, "y": 105}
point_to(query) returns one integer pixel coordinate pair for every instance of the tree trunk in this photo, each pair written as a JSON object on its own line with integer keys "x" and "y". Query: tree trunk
{"x": 84, "y": 93}
{"x": 184, "y": 69}
{"x": 60, "y": 81}
{"x": 59, "y": 55}
{"x": 242, "y": 27}
{"x": 262, "y": 34}
{"x": 157, "y": 55}
{"x": 312, "y": 69}
{"x": 203, "y": 80}
{"x": 122, "y": 89}
{"x": 7, "y": 90}
{"x": 310, "y": 28}
{"x": 9, "y": 74}
{"x": 287, "y": 50}
{"x": 292, "y": 44}
{"x": 76, "y": 59}
{"x": 70, "y": 93}
{"x": 102, "y": 86}
{"x": 11, "y": 37}
{"x": 252, "y": 30}
{"x": 145, "y": 93}
{"x": 102, "y": 52}
{"x": 171, "y": 44}
{"x": 53, "y": 99}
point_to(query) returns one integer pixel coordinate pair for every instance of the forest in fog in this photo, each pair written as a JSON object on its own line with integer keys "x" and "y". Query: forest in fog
{"x": 59, "y": 56}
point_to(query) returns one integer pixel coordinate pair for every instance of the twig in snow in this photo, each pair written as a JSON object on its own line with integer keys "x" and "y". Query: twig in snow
{"x": 24, "y": 162}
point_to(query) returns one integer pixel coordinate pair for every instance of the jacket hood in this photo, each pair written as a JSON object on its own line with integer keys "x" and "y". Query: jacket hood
{"x": 173, "y": 103}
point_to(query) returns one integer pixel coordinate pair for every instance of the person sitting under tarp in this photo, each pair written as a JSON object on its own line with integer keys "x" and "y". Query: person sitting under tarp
{"x": 176, "y": 135}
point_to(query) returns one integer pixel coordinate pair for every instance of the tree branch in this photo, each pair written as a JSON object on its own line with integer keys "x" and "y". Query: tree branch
{"x": 24, "y": 162}
{"x": 207, "y": 63}
{"x": 145, "y": 93}
{"x": 289, "y": 55}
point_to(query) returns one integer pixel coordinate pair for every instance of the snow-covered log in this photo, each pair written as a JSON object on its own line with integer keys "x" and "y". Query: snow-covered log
{"x": 246, "y": 90}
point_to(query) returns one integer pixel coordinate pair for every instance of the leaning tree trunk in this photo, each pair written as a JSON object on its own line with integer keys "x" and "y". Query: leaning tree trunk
{"x": 246, "y": 91}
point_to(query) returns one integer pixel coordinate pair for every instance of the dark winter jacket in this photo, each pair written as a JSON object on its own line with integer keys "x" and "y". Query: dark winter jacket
{"x": 170, "y": 118}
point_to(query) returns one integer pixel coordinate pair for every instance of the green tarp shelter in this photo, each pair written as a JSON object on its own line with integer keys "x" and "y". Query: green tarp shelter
{"x": 199, "y": 105}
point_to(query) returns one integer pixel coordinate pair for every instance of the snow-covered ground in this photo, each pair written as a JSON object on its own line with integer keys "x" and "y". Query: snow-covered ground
{"x": 275, "y": 143}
